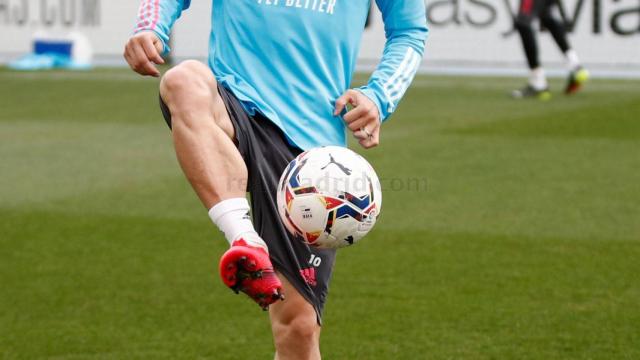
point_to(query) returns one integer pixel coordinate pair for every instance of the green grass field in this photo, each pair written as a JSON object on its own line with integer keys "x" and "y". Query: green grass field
{"x": 522, "y": 242}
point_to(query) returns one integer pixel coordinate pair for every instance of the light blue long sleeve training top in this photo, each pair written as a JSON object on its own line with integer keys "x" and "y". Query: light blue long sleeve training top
{"x": 291, "y": 59}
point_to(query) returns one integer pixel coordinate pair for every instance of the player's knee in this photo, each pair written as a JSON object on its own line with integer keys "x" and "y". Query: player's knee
{"x": 187, "y": 91}
{"x": 304, "y": 328}
{"x": 189, "y": 80}
{"x": 301, "y": 328}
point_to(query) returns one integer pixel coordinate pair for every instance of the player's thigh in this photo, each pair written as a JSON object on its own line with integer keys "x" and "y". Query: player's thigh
{"x": 190, "y": 88}
{"x": 293, "y": 315}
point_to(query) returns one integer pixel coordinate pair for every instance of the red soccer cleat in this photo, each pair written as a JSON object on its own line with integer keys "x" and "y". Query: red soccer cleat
{"x": 248, "y": 269}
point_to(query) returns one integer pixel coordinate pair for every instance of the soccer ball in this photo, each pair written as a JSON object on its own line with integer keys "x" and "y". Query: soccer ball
{"x": 329, "y": 197}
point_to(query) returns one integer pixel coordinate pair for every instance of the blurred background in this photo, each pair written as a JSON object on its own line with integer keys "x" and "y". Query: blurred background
{"x": 510, "y": 229}
{"x": 468, "y": 36}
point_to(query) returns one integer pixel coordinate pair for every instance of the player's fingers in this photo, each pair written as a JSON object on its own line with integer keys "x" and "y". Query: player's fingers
{"x": 349, "y": 97}
{"x": 133, "y": 57}
{"x": 130, "y": 57}
{"x": 364, "y": 126}
{"x": 360, "y": 135}
{"x": 157, "y": 43}
{"x": 368, "y": 118}
{"x": 369, "y": 143}
{"x": 142, "y": 63}
{"x": 359, "y": 124}
{"x": 126, "y": 54}
{"x": 151, "y": 51}
{"x": 356, "y": 113}
{"x": 373, "y": 140}
{"x": 341, "y": 104}
{"x": 353, "y": 97}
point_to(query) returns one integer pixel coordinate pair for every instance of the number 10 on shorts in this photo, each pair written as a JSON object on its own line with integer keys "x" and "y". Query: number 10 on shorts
{"x": 315, "y": 260}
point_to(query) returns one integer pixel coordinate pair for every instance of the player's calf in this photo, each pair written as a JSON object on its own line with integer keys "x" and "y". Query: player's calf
{"x": 295, "y": 327}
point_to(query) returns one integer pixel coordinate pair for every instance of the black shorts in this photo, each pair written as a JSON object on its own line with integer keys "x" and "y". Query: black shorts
{"x": 266, "y": 152}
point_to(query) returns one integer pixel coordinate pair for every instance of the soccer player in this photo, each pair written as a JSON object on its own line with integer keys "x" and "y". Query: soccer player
{"x": 277, "y": 83}
{"x": 537, "y": 86}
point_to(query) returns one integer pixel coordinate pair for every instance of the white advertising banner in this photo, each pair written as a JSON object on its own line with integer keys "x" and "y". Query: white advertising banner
{"x": 472, "y": 36}
{"x": 480, "y": 34}
{"x": 107, "y": 24}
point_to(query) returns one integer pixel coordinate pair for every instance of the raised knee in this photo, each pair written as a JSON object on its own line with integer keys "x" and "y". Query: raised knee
{"x": 188, "y": 89}
{"x": 302, "y": 328}
{"x": 192, "y": 77}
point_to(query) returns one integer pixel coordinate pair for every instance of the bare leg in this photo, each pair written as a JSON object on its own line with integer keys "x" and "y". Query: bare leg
{"x": 296, "y": 332}
{"x": 203, "y": 133}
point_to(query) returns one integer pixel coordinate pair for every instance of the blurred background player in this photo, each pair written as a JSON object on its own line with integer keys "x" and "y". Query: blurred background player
{"x": 277, "y": 84}
{"x": 537, "y": 87}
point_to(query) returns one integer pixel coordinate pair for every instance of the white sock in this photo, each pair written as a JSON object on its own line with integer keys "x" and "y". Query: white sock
{"x": 537, "y": 79}
{"x": 572, "y": 59}
{"x": 232, "y": 218}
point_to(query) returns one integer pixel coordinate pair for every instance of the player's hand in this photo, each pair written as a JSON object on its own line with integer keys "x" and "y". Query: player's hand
{"x": 363, "y": 119}
{"x": 142, "y": 52}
